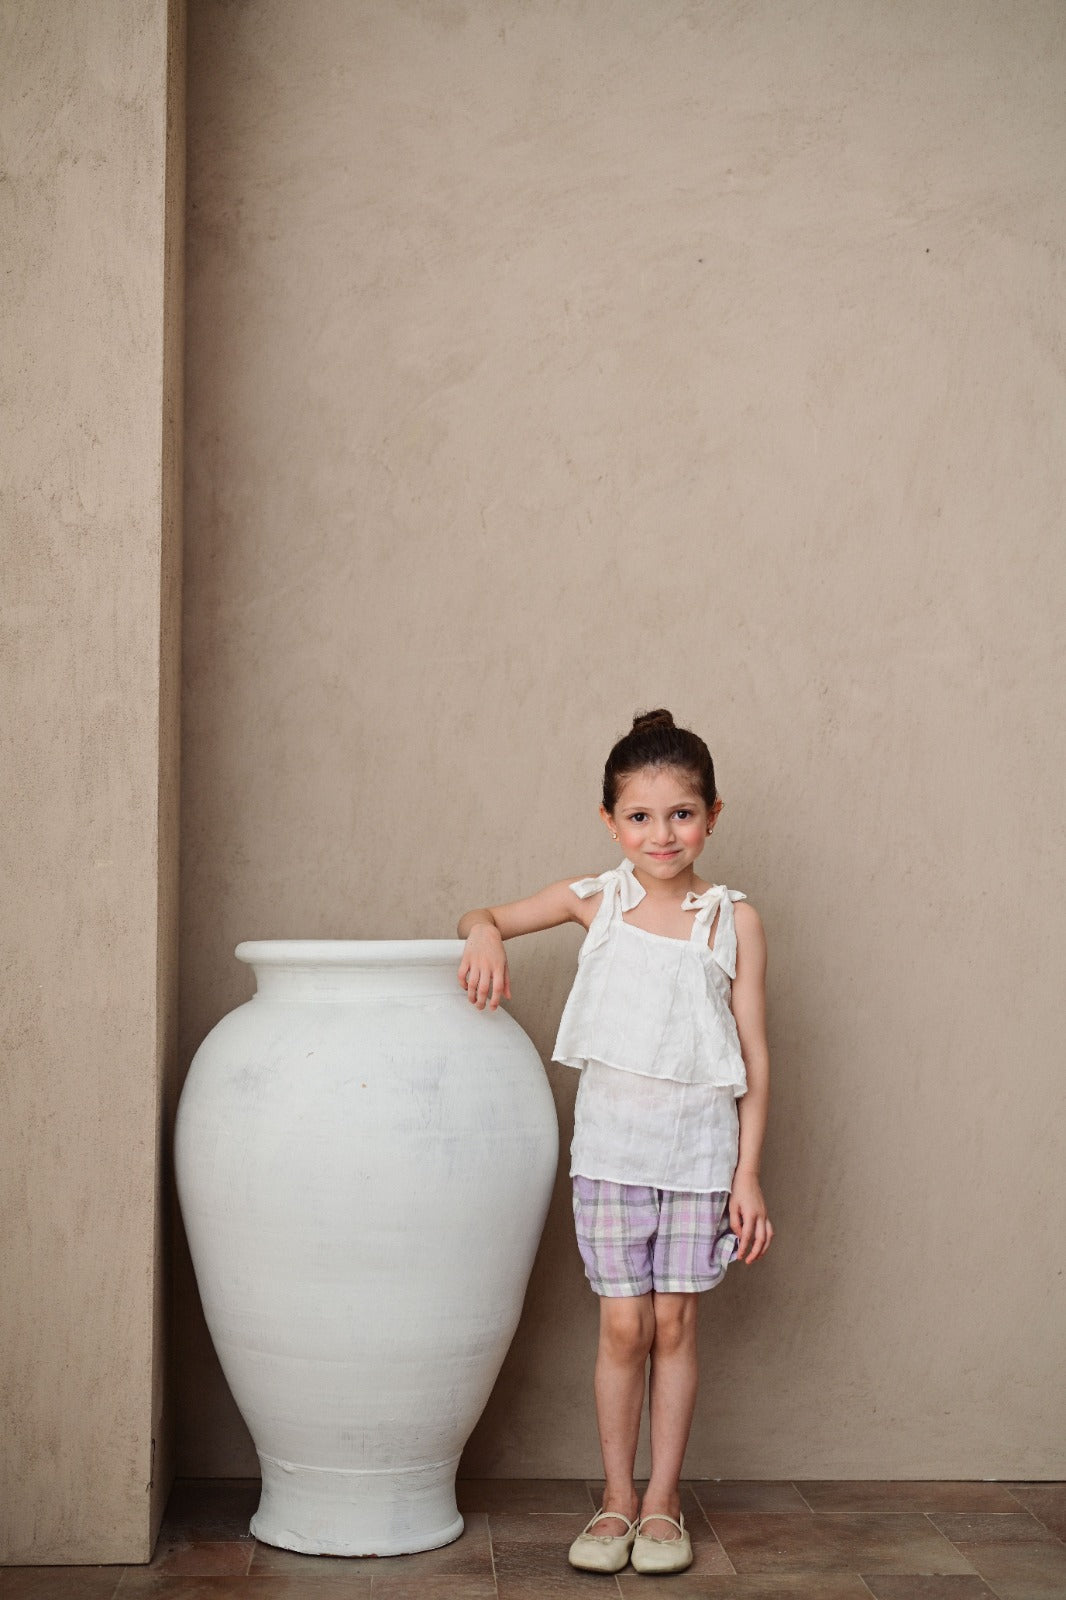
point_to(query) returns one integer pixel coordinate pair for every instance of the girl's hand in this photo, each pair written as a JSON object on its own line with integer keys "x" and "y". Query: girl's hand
{"x": 748, "y": 1219}
{"x": 483, "y": 970}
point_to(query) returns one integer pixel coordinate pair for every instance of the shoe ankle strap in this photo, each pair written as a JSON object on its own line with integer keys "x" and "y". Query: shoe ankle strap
{"x": 660, "y": 1516}
{"x": 618, "y": 1516}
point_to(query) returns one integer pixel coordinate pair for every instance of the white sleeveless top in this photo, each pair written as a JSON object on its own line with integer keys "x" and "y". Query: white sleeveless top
{"x": 649, "y": 1025}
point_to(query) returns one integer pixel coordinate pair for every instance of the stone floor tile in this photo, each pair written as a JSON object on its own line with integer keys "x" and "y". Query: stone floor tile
{"x": 556, "y": 1585}
{"x": 211, "y": 1508}
{"x": 995, "y": 1527}
{"x": 523, "y": 1494}
{"x": 829, "y": 1585}
{"x": 469, "y": 1556}
{"x": 928, "y": 1586}
{"x": 59, "y": 1583}
{"x": 268, "y": 1561}
{"x": 1021, "y": 1569}
{"x": 740, "y": 1494}
{"x": 144, "y": 1585}
{"x": 555, "y": 1530}
{"x": 869, "y": 1494}
{"x": 708, "y": 1555}
{"x": 1047, "y": 1502}
{"x": 1004, "y": 1540}
{"x": 202, "y": 1558}
{"x": 454, "y": 1588}
{"x": 531, "y": 1550}
{"x": 781, "y": 1541}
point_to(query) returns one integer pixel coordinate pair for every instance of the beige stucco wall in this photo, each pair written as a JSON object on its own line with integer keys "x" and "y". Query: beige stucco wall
{"x": 90, "y": 477}
{"x": 550, "y": 361}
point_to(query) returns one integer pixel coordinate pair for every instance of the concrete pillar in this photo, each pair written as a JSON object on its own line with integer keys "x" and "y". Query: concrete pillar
{"x": 91, "y": 212}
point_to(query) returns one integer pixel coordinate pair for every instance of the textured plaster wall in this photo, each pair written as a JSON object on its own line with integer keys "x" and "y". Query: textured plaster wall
{"x": 547, "y": 361}
{"x": 90, "y": 476}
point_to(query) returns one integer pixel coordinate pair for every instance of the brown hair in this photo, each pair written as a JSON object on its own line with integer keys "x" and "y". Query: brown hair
{"x": 654, "y": 740}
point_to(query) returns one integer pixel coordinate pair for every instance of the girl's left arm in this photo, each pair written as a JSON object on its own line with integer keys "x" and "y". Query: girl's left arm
{"x": 747, "y": 1208}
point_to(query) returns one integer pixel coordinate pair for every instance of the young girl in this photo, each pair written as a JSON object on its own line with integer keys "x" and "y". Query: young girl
{"x": 666, "y": 1024}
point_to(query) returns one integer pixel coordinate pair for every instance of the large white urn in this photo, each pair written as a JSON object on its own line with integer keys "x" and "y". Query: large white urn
{"x": 364, "y": 1163}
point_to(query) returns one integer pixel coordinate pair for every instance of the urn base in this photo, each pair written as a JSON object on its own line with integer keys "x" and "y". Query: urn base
{"x": 327, "y": 1512}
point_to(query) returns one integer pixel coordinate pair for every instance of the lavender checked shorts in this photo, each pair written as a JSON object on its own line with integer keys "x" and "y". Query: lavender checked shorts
{"x": 634, "y": 1239}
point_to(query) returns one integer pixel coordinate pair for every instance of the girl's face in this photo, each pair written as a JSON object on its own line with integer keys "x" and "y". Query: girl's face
{"x": 661, "y": 820}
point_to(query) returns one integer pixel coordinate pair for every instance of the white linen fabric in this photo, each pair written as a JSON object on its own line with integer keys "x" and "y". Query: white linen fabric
{"x": 649, "y": 1026}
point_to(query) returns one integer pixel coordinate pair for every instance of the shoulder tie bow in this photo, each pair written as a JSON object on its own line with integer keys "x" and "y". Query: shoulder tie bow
{"x": 705, "y": 905}
{"x": 620, "y": 888}
{"x": 621, "y": 879}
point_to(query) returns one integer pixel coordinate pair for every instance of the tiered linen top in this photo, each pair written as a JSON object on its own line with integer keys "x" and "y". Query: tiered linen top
{"x": 648, "y": 1023}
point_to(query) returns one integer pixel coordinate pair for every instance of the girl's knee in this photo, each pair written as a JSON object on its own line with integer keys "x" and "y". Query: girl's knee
{"x": 675, "y": 1322}
{"x": 627, "y": 1327}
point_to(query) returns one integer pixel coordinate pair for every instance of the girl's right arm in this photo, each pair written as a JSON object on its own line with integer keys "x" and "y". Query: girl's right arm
{"x": 483, "y": 969}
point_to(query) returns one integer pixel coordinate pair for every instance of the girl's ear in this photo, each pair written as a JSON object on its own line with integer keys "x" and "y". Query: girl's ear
{"x": 609, "y": 820}
{"x": 713, "y": 814}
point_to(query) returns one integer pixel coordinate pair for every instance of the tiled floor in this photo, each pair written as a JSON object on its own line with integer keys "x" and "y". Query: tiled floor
{"x": 753, "y": 1541}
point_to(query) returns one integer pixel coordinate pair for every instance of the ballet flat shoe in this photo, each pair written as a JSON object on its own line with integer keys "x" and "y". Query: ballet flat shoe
{"x": 661, "y": 1555}
{"x": 594, "y": 1552}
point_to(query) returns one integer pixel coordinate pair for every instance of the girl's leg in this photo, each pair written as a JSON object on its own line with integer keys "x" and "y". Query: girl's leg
{"x": 674, "y": 1379}
{"x": 627, "y": 1329}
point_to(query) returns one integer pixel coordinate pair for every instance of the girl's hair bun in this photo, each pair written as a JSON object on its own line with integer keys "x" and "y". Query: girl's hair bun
{"x": 655, "y": 740}
{"x": 652, "y": 719}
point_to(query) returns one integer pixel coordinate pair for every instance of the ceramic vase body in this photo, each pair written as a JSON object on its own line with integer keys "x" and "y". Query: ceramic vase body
{"x": 364, "y": 1164}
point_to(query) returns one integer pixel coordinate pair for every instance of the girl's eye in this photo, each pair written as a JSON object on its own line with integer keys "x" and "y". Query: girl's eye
{"x": 683, "y": 814}
{"x": 639, "y": 816}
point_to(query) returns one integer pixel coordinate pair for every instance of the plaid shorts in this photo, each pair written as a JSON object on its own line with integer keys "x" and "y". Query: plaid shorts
{"x": 634, "y": 1239}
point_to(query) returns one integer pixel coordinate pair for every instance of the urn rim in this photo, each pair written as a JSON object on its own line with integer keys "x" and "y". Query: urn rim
{"x": 348, "y": 952}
